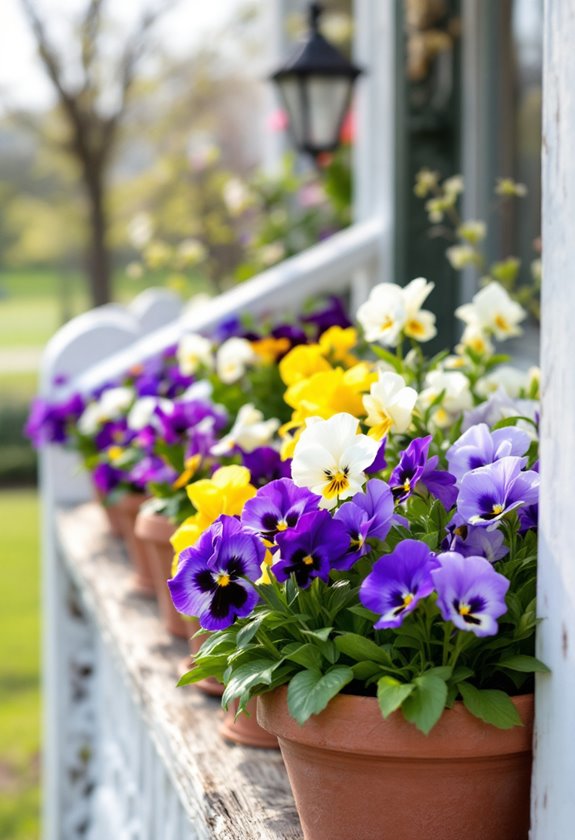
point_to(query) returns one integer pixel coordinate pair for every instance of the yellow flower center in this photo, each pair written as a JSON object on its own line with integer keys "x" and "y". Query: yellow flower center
{"x": 501, "y": 322}
{"x": 464, "y": 609}
{"x": 338, "y": 482}
{"x": 223, "y": 579}
{"x": 282, "y": 525}
{"x": 387, "y": 322}
{"x": 115, "y": 453}
{"x": 407, "y": 485}
{"x": 414, "y": 328}
{"x": 497, "y": 509}
{"x": 308, "y": 560}
{"x": 407, "y": 599}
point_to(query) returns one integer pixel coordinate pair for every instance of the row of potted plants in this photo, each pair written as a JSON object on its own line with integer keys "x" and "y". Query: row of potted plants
{"x": 354, "y": 529}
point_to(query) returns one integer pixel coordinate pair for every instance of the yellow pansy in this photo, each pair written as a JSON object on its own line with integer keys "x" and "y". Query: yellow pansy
{"x": 226, "y": 491}
{"x": 336, "y": 343}
{"x": 190, "y": 468}
{"x": 302, "y": 362}
{"x": 329, "y": 392}
{"x": 267, "y": 562}
{"x": 115, "y": 453}
{"x": 270, "y": 349}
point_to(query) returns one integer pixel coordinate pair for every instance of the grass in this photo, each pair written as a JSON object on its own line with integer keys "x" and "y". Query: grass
{"x": 19, "y": 663}
{"x": 35, "y": 302}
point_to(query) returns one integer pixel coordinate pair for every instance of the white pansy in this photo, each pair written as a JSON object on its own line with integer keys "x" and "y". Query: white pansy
{"x": 475, "y": 339}
{"x": 456, "y": 398}
{"x": 142, "y": 413}
{"x": 513, "y": 381}
{"x": 389, "y": 405}
{"x": 194, "y": 350}
{"x": 201, "y": 390}
{"x": 419, "y": 323}
{"x": 232, "y": 358}
{"x": 383, "y": 314}
{"x": 330, "y": 458}
{"x": 249, "y": 431}
{"x": 113, "y": 403}
{"x": 493, "y": 311}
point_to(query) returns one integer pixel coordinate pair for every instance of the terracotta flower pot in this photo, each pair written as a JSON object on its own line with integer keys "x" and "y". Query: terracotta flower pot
{"x": 111, "y": 513}
{"x": 356, "y": 775}
{"x": 127, "y": 510}
{"x": 154, "y": 531}
{"x": 246, "y": 730}
{"x": 210, "y": 685}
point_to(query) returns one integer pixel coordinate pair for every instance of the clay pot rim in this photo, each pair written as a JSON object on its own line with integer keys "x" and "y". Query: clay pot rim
{"x": 131, "y": 502}
{"x": 354, "y": 724}
{"x": 154, "y": 527}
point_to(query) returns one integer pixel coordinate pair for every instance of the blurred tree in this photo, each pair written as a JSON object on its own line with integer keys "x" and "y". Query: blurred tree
{"x": 93, "y": 94}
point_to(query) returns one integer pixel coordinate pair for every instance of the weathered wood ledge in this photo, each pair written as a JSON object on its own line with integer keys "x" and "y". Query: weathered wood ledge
{"x": 227, "y": 791}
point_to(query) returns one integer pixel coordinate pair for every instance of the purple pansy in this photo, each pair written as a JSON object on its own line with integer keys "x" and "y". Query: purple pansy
{"x": 311, "y": 548}
{"x": 151, "y": 470}
{"x": 184, "y": 417}
{"x": 470, "y": 593}
{"x": 265, "y": 465}
{"x": 472, "y": 540}
{"x": 113, "y": 433}
{"x": 397, "y": 582}
{"x": 528, "y": 518}
{"x": 277, "y": 507}
{"x": 49, "y": 422}
{"x": 366, "y": 515}
{"x": 479, "y": 446}
{"x": 415, "y": 466}
{"x": 379, "y": 463}
{"x": 489, "y": 492}
{"x": 333, "y": 314}
{"x": 213, "y": 578}
{"x": 106, "y": 478}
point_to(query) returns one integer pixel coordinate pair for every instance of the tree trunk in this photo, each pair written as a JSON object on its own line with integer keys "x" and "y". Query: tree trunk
{"x": 99, "y": 260}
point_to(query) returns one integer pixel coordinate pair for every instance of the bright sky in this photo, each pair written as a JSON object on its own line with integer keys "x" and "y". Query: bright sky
{"x": 21, "y": 78}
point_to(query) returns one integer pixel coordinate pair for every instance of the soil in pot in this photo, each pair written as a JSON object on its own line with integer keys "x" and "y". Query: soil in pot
{"x": 128, "y": 509}
{"x": 356, "y": 775}
{"x": 246, "y": 730}
{"x": 154, "y": 531}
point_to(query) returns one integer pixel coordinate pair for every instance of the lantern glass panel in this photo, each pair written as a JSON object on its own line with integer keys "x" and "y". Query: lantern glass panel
{"x": 328, "y": 99}
{"x": 292, "y": 93}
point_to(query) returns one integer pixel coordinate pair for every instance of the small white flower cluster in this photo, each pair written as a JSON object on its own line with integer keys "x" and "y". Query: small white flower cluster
{"x": 491, "y": 313}
{"x": 392, "y": 313}
{"x": 113, "y": 404}
{"x": 229, "y": 361}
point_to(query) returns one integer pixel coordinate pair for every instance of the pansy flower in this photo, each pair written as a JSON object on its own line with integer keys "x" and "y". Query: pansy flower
{"x": 488, "y": 493}
{"x": 414, "y": 466}
{"x": 330, "y": 458}
{"x": 472, "y": 540}
{"x": 398, "y": 582}
{"x": 265, "y": 465}
{"x": 310, "y": 549}
{"x": 367, "y": 515}
{"x": 213, "y": 580}
{"x": 277, "y": 507}
{"x": 479, "y": 446}
{"x": 49, "y": 422}
{"x": 470, "y": 593}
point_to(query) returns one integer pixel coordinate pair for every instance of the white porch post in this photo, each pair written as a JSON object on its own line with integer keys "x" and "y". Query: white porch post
{"x": 553, "y": 801}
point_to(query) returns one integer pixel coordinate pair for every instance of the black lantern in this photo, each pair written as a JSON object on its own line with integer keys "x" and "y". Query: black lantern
{"x": 316, "y": 86}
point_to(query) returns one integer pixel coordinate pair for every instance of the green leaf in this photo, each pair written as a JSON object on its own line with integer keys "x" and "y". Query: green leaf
{"x": 490, "y": 705}
{"x": 391, "y": 694}
{"x": 310, "y": 691}
{"x": 365, "y": 670}
{"x": 257, "y": 672}
{"x": 307, "y": 655}
{"x": 322, "y": 634}
{"x": 425, "y": 704}
{"x": 359, "y": 648}
{"x": 526, "y": 664}
{"x": 388, "y": 357}
{"x": 247, "y": 632}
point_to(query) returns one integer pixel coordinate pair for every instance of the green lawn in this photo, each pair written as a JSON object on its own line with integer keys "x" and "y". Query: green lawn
{"x": 34, "y": 303}
{"x": 19, "y": 666}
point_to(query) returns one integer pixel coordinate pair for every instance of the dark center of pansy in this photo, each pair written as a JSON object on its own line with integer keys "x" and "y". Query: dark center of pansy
{"x": 490, "y": 507}
{"x": 338, "y": 482}
{"x": 468, "y": 609}
{"x": 401, "y": 601}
